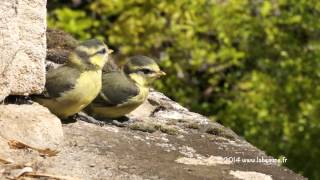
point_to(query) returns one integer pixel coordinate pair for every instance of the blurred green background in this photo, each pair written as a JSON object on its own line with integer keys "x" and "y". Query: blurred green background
{"x": 252, "y": 65}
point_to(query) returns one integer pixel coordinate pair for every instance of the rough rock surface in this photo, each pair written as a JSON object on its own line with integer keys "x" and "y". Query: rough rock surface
{"x": 32, "y": 125}
{"x": 160, "y": 140}
{"x": 23, "y": 43}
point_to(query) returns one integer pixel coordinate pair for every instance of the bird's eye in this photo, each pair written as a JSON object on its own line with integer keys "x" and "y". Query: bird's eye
{"x": 146, "y": 71}
{"x": 102, "y": 51}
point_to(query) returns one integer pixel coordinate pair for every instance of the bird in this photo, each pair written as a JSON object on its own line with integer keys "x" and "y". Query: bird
{"x": 72, "y": 86}
{"x": 60, "y": 44}
{"x": 125, "y": 89}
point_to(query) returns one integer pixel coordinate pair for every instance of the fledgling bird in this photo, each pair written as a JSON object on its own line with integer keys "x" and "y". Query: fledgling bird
{"x": 72, "y": 86}
{"x": 124, "y": 90}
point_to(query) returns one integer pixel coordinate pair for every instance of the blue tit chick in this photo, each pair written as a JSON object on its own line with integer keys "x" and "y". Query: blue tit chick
{"x": 126, "y": 89}
{"x": 71, "y": 87}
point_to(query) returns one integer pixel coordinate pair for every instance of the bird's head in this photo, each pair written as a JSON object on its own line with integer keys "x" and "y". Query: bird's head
{"x": 90, "y": 55}
{"x": 143, "y": 70}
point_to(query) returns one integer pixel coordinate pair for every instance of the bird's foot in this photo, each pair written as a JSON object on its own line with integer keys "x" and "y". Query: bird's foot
{"x": 86, "y": 118}
{"x": 70, "y": 119}
{"x": 122, "y": 121}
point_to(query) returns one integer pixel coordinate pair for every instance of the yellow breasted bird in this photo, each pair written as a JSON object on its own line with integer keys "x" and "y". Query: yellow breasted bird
{"x": 124, "y": 90}
{"x": 71, "y": 87}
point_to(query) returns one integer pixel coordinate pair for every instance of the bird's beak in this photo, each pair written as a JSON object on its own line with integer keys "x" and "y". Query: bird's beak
{"x": 110, "y": 51}
{"x": 161, "y": 73}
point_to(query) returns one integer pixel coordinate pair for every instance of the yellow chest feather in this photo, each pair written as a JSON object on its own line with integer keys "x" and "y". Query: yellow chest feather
{"x": 87, "y": 87}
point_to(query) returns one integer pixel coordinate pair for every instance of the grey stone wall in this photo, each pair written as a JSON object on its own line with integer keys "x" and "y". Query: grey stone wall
{"x": 23, "y": 47}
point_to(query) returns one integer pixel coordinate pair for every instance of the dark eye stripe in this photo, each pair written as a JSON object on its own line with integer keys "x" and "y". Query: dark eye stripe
{"x": 146, "y": 71}
{"x": 102, "y": 51}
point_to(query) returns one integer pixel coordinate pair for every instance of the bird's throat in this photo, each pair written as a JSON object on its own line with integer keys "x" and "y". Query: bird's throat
{"x": 139, "y": 80}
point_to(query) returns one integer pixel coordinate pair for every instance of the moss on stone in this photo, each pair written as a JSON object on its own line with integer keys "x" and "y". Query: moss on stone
{"x": 145, "y": 127}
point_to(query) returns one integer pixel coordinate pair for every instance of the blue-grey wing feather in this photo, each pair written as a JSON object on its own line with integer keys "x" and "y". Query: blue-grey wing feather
{"x": 61, "y": 80}
{"x": 117, "y": 89}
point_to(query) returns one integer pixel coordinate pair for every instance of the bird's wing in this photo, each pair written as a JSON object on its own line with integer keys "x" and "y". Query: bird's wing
{"x": 60, "y": 80}
{"x": 116, "y": 89}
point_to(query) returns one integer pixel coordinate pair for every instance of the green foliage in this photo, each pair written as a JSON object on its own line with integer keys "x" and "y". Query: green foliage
{"x": 252, "y": 65}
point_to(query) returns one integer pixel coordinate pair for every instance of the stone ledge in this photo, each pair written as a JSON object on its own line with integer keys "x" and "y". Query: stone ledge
{"x": 160, "y": 140}
{"x": 32, "y": 125}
